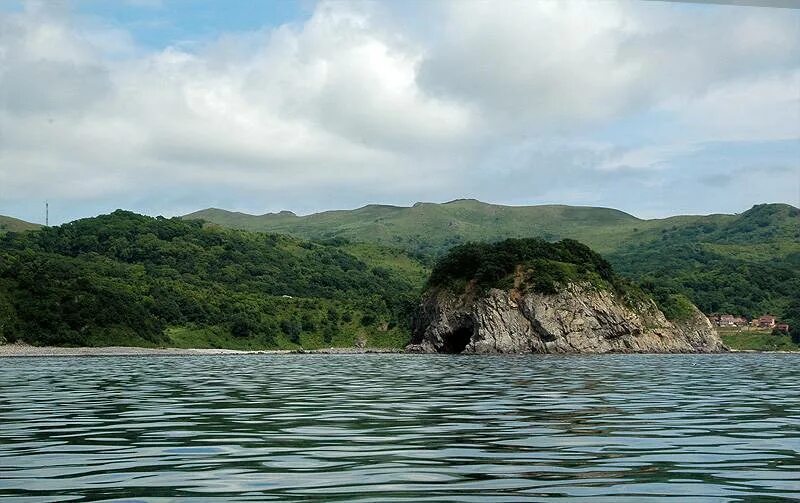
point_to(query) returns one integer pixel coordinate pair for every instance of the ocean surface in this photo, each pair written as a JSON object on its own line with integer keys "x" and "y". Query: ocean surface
{"x": 401, "y": 428}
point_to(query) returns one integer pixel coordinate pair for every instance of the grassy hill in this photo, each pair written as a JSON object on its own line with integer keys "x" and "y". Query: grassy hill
{"x": 129, "y": 279}
{"x": 429, "y": 229}
{"x": 745, "y": 264}
{"x": 9, "y": 224}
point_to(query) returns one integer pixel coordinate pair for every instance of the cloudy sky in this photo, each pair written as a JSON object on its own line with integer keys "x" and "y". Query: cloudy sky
{"x": 169, "y": 106}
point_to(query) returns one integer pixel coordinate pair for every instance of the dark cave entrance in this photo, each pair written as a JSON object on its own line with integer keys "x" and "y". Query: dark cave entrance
{"x": 457, "y": 341}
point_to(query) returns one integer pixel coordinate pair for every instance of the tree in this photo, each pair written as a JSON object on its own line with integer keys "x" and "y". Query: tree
{"x": 329, "y": 332}
{"x": 8, "y": 319}
{"x": 368, "y": 320}
{"x": 292, "y": 329}
{"x": 792, "y": 316}
{"x": 124, "y": 275}
{"x": 308, "y": 323}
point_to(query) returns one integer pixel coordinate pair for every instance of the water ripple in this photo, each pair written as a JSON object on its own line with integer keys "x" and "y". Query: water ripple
{"x": 401, "y": 428}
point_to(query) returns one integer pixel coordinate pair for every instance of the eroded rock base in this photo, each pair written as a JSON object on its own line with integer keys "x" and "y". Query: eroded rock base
{"x": 579, "y": 319}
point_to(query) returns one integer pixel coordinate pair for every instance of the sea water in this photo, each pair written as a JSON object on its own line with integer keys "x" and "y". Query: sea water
{"x": 401, "y": 427}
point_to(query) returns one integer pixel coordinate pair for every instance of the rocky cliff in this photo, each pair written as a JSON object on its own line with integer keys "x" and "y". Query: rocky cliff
{"x": 579, "y": 318}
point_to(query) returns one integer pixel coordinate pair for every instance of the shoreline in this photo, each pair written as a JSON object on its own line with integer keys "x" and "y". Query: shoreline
{"x": 26, "y": 350}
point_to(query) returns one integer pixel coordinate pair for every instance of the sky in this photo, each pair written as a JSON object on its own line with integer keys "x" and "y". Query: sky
{"x": 169, "y": 106}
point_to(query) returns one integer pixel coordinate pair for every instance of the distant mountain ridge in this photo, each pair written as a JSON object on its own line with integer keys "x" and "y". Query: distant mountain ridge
{"x": 429, "y": 228}
{"x": 435, "y": 227}
{"x": 746, "y": 263}
{"x": 11, "y": 224}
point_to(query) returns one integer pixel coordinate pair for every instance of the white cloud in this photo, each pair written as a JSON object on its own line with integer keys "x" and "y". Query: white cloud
{"x": 539, "y": 64}
{"x": 351, "y": 104}
{"x": 328, "y": 100}
{"x": 550, "y": 65}
{"x": 765, "y": 108}
{"x": 649, "y": 157}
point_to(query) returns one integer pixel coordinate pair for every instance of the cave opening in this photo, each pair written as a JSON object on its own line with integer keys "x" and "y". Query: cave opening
{"x": 457, "y": 341}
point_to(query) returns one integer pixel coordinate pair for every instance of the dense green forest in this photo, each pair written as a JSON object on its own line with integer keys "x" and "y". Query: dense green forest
{"x": 746, "y": 264}
{"x": 129, "y": 279}
{"x": 134, "y": 280}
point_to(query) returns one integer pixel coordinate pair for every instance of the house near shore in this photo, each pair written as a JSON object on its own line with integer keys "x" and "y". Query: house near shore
{"x": 766, "y": 321}
{"x": 727, "y": 320}
{"x": 782, "y": 327}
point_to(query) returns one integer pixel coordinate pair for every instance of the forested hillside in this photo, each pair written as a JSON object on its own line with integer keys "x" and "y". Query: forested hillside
{"x": 744, "y": 264}
{"x": 747, "y": 265}
{"x": 134, "y": 280}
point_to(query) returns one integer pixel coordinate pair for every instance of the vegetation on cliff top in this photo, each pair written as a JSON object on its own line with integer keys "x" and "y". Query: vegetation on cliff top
{"x": 544, "y": 267}
{"x": 129, "y": 279}
{"x": 493, "y": 264}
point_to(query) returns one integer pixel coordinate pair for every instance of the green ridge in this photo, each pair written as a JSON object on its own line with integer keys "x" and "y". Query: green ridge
{"x": 10, "y": 224}
{"x": 128, "y": 279}
{"x": 746, "y": 264}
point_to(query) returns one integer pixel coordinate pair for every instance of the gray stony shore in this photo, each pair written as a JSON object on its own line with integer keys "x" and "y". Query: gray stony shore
{"x": 26, "y": 350}
{"x": 17, "y": 349}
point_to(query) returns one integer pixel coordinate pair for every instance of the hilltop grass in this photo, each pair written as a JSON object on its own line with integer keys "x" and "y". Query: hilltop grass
{"x": 9, "y": 224}
{"x": 428, "y": 229}
{"x": 431, "y": 229}
{"x": 675, "y": 306}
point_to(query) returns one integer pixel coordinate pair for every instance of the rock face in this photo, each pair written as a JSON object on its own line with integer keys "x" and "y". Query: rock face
{"x": 578, "y": 319}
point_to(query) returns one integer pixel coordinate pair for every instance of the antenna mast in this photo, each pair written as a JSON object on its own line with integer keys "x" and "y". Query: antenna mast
{"x": 46, "y": 214}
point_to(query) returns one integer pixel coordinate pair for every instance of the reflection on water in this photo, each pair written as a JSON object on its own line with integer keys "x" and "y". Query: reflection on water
{"x": 401, "y": 427}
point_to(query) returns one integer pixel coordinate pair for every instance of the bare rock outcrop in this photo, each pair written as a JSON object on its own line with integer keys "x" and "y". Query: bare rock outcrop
{"x": 580, "y": 318}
